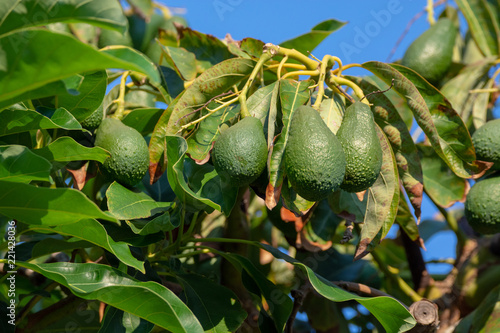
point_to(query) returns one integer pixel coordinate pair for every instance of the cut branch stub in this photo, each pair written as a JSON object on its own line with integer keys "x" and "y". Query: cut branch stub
{"x": 426, "y": 314}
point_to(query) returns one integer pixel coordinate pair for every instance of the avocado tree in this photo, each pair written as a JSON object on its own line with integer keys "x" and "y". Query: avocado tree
{"x": 154, "y": 178}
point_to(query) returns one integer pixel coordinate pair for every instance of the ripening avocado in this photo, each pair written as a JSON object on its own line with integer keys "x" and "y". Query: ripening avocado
{"x": 240, "y": 152}
{"x": 314, "y": 159}
{"x": 94, "y": 120}
{"x": 363, "y": 153}
{"x": 430, "y": 54}
{"x": 482, "y": 206}
{"x": 486, "y": 140}
{"x": 129, "y": 160}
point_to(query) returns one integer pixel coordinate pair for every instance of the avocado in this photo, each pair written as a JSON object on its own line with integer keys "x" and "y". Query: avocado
{"x": 482, "y": 206}
{"x": 486, "y": 140}
{"x": 240, "y": 152}
{"x": 314, "y": 159}
{"x": 430, "y": 54}
{"x": 363, "y": 153}
{"x": 94, "y": 120}
{"x": 129, "y": 160}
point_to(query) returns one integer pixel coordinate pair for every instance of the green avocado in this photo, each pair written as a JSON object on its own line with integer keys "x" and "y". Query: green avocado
{"x": 482, "y": 206}
{"x": 129, "y": 160}
{"x": 430, "y": 54}
{"x": 94, "y": 120}
{"x": 314, "y": 159}
{"x": 363, "y": 153}
{"x": 240, "y": 152}
{"x": 486, "y": 140}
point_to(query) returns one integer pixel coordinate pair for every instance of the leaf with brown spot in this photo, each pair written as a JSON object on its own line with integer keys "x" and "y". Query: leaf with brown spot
{"x": 382, "y": 201}
{"x": 405, "y": 151}
{"x": 213, "y": 82}
{"x": 79, "y": 176}
{"x": 443, "y": 127}
{"x": 292, "y": 94}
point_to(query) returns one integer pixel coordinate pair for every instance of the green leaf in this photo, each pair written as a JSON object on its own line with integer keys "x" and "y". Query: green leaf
{"x": 309, "y": 41}
{"x": 406, "y": 221}
{"x": 211, "y": 83}
{"x": 18, "y": 121}
{"x": 162, "y": 222}
{"x": 482, "y": 24}
{"x": 347, "y": 205}
{"x": 292, "y": 95}
{"x": 118, "y": 321}
{"x": 485, "y": 318}
{"x": 280, "y": 305}
{"x": 148, "y": 300}
{"x": 444, "y": 128}
{"x": 388, "y": 118}
{"x": 480, "y": 106}
{"x": 181, "y": 60}
{"x": 252, "y": 47}
{"x": 145, "y": 6}
{"x": 332, "y": 111}
{"x": 201, "y": 142}
{"x": 66, "y": 149}
{"x": 126, "y": 204}
{"x": 216, "y": 307}
{"x": 382, "y": 201}
{"x": 457, "y": 89}
{"x": 389, "y": 312}
{"x": 445, "y": 188}
{"x": 208, "y": 49}
{"x": 91, "y": 93}
{"x": 143, "y": 120}
{"x": 294, "y": 202}
{"x": 47, "y": 206}
{"x": 52, "y": 245}
{"x": 19, "y": 164}
{"x": 93, "y": 232}
{"x": 35, "y": 58}
{"x": 16, "y": 15}
{"x": 199, "y": 186}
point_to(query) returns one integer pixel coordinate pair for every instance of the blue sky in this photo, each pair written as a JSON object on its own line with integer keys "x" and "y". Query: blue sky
{"x": 371, "y": 33}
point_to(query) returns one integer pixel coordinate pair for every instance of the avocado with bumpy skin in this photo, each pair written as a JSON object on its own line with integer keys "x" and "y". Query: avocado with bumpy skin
{"x": 430, "y": 54}
{"x": 129, "y": 160}
{"x": 482, "y": 206}
{"x": 363, "y": 153}
{"x": 486, "y": 140}
{"x": 240, "y": 152}
{"x": 94, "y": 120}
{"x": 314, "y": 159}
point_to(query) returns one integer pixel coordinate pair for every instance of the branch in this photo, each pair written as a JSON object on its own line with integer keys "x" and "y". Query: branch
{"x": 360, "y": 289}
{"x": 298, "y": 298}
{"x": 426, "y": 315}
{"x": 420, "y": 276}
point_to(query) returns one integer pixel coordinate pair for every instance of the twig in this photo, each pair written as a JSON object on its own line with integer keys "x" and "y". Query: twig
{"x": 420, "y": 276}
{"x": 203, "y": 106}
{"x": 348, "y": 232}
{"x": 298, "y": 298}
{"x": 360, "y": 289}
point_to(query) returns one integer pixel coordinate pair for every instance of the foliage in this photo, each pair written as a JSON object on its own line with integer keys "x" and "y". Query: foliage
{"x": 187, "y": 251}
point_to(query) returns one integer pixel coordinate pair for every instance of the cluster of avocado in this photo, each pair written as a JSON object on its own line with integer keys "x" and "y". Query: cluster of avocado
{"x": 317, "y": 162}
{"x": 482, "y": 205}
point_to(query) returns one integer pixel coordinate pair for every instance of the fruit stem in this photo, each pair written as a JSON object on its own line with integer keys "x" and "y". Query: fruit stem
{"x": 430, "y": 12}
{"x": 275, "y": 50}
{"x": 338, "y": 71}
{"x": 282, "y": 62}
{"x": 326, "y": 64}
{"x": 336, "y": 80}
{"x": 294, "y": 66}
{"x": 297, "y": 73}
{"x": 266, "y": 56}
{"x": 120, "y": 101}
